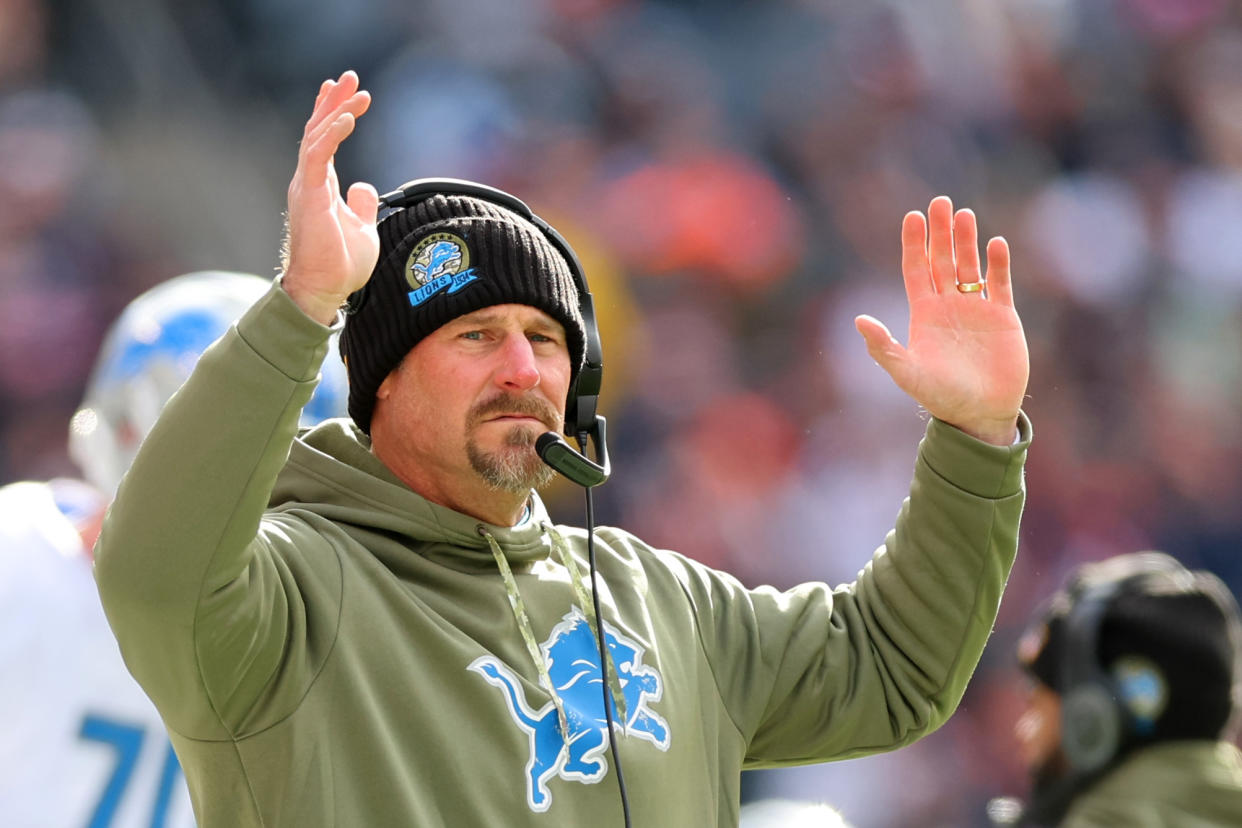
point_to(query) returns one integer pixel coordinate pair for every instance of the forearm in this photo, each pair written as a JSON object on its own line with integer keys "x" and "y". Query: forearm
{"x": 185, "y": 519}
{"x": 934, "y": 592}
{"x": 886, "y": 660}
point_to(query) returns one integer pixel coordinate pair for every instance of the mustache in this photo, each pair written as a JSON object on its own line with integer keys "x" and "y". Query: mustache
{"x": 528, "y": 406}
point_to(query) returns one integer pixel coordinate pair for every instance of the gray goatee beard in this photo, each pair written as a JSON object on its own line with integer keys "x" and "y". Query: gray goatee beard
{"x": 515, "y": 468}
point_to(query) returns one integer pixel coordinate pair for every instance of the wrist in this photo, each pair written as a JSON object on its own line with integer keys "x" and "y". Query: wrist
{"x": 320, "y": 307}
{"x": 1002, "y": 433}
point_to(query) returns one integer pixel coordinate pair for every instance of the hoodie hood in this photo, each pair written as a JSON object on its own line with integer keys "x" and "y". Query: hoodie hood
{"x": 331, "y": 472}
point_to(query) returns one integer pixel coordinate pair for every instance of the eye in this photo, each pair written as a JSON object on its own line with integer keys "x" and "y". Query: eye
{"x": 472, "y": 335}
{"x": 538, "y": 337}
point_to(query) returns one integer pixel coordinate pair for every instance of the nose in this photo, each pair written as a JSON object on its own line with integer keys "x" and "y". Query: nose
{"x": 518, "y": 370}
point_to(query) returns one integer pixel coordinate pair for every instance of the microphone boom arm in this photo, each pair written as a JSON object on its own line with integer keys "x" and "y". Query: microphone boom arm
{"x": 576, "y": 466}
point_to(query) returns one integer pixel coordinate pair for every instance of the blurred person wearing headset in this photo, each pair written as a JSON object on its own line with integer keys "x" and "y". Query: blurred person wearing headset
{"x": 83, "y": 745}
{"x": 1134, "y": 699}
{"x": 376, "y": 622}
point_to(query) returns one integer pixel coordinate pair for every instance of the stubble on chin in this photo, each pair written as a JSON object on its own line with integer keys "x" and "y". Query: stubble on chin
{"x": 515, "y": 467}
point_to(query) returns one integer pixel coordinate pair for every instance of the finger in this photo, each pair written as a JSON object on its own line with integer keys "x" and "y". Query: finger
{"x": 344, "y": 87}
{"x": 355, "y": 105}
{"x": 323, "y": 107}
{"x": 315, "y": 166}
{"x": 1000, "y": 281}
{"x": 915, "y": 270}
{"x": 881, "y": 345}
{"x": 329, "y": 101}
{"x": 966, "y": 247}
{"x": 940, "y": 244}
{"x": 349, "y": 78}
{"x": 324, "y": 88}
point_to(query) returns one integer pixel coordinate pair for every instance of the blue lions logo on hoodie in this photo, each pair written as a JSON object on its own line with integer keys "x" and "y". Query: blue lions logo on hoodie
{"x": 574, "y": 665}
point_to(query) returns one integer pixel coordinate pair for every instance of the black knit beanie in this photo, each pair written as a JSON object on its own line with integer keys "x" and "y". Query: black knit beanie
{"x": 446, "y": 256}
{"x": 1184, "y": 623}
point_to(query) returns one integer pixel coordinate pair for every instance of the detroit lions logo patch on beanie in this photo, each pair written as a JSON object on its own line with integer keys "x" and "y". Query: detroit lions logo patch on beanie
{"x": 440, "y": 261}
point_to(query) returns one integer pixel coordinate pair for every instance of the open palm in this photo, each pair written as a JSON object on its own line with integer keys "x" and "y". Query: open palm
{"x": 966, "y": 359}
{"x": 332, "y": 245}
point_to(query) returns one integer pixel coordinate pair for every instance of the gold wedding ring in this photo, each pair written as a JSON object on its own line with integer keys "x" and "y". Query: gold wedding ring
{"x": 970, "y": 287}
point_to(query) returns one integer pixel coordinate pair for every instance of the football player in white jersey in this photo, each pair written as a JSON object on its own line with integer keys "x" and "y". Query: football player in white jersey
{"x": 83, "y": 747}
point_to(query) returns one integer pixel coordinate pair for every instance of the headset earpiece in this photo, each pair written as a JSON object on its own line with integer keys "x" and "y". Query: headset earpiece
{"x": 1091, "y": 719}
{"x": 1096, "y": 715}
{"x": 1091, "y": 727}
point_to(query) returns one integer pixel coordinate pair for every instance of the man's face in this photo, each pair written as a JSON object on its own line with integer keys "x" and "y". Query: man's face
{"x": 1038, "y": 729}
{"x": 471, "y": 398}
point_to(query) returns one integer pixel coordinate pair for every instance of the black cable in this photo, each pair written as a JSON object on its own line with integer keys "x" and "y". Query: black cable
{"x": 603, "y": 650}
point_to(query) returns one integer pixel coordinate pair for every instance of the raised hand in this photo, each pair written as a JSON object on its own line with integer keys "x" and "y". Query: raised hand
{"x": 966, "y": 362}
{"x": 332, "y": 245}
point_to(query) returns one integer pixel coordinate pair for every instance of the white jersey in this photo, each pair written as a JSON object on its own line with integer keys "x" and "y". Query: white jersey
{"x": 83, "y": 747}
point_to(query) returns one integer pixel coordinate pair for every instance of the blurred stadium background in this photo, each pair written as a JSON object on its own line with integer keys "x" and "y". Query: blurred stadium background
{"x": 734, "y": 175}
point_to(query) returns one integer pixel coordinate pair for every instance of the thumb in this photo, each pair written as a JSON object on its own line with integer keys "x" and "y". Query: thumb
{"x": 363, "y": 201}
{"x": 881, "y": 345}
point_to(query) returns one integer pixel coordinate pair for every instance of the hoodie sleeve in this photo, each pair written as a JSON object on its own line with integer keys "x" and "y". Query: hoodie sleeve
{"x": 204, "y": 605}
{"x": 814, "y": 674}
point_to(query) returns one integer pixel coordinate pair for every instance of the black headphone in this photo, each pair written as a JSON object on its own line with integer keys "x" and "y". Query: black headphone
{"x": 1096, "y": 719}
{"x": 581, "y": 418}
{"x": 1092, "y": 718}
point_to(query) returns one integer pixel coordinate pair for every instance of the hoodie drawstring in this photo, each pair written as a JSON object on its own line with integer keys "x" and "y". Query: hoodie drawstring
{"x": 528, "y": 636}
{"x": 588, "y": 609}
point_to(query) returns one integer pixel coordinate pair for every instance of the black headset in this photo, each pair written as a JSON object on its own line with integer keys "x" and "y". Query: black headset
{"x": 581, "y": 403}
{"x": 1096, "y": 718}
{"x": 1092, "y": 717}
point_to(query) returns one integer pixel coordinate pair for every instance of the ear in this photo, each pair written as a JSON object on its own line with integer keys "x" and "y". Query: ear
{"x": 385, "y": 388}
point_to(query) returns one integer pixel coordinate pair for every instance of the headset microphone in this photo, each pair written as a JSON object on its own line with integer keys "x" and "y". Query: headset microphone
{"x": 558, "y": 454}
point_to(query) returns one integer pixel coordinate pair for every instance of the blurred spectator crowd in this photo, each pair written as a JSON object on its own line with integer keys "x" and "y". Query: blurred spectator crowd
{"x": 733, "y": 174}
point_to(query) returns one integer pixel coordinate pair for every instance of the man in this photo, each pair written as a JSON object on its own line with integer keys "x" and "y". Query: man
{"x": 386, "y": 629}
{"x": 1136, "y": 678}
{"x": 84, "y": 746}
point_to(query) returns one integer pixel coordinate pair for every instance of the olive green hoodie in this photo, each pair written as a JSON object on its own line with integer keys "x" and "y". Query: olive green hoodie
{"x": 329, "y": 648}
{"x": 1191, "y": 784}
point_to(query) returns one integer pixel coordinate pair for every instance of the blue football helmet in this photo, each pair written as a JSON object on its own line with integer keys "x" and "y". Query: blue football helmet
{"x": 150, "y": 351}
